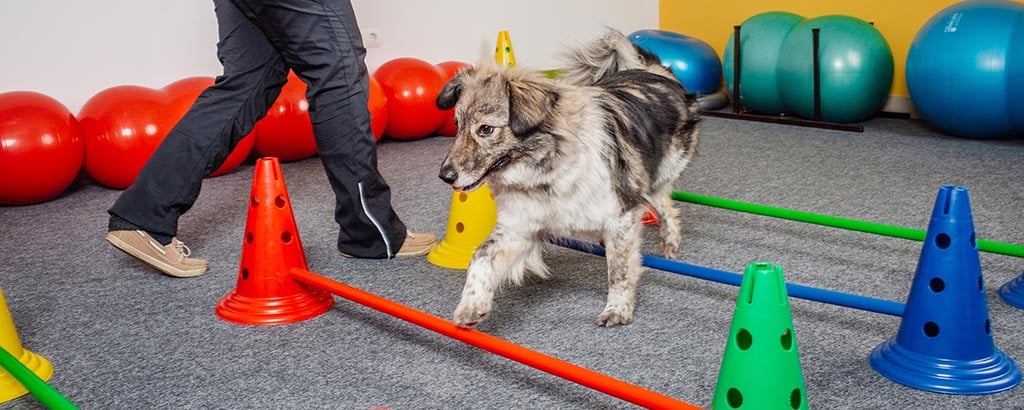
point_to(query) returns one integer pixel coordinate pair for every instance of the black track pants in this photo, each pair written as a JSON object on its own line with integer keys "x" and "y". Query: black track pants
{"x": 259, "y": 42}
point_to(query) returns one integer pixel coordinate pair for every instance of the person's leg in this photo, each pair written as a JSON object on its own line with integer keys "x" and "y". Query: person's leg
{"x": 320, "y": 41}
{"x": 144, "y": 218}
{"x": 225, "y": 112}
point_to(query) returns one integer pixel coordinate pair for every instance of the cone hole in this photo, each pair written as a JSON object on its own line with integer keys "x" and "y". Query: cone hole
{"x": 937, "y": 285}
{"x": 942, "y": 241}
{"x": 988, "y": 327}
{"x": 286, "y": 237}
{"x": 249, "y": 238}
{"x": 786, "y": 340}
{"x": 931, "y": 329}
{"x": 255, "y": 201}
{"x": 974, "y": 241}
{"x": 459, "y": 227}
{"x": 795, "y": 398}
{"x": 463, "y": 197}
{"x": 244, "y": 273}
{"x": 734, "y": 398}
{"x": 981, "y": 285}
{"x": 279, "y": 201}
{"x": 744, "y": 339}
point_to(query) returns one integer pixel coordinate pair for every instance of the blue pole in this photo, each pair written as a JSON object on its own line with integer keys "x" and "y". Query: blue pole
{"x": 729, "y": 278}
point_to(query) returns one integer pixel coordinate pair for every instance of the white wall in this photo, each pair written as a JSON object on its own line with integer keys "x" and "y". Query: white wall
{"x": 72, "y": 49}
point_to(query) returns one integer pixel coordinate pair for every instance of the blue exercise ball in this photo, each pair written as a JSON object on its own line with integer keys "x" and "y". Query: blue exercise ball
{"x": 694, "y": 63}
{"x": 965, "y": 69}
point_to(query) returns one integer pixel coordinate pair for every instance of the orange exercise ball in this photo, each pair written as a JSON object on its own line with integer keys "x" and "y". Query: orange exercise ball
{"x": 41, "y": 148}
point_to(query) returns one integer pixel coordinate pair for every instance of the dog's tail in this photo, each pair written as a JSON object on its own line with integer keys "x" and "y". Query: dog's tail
{"x": 610, "y": 53}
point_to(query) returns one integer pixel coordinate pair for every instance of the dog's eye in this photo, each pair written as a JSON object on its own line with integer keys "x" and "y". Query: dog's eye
{"x": 485, "y": 130}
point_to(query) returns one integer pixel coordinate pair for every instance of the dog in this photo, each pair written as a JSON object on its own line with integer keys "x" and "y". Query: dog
{"x": 585, "y": 153}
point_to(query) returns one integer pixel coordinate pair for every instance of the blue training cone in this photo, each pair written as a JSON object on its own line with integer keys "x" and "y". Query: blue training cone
{"x": 1013, "y": 292}
{"x": 945, "y": 342}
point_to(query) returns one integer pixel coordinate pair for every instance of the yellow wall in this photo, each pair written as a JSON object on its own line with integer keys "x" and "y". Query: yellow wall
{"x": 712, "y": 21}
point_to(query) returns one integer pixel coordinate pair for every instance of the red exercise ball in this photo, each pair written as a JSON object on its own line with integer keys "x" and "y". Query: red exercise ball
{"x": 378, "y": 105}
{"x": 183, "y": 94}
{"x": 411, "y": 86}
{"x": 450, "y": 69}
{"x": 41, "y": 148}
{"x": 286, "y": 132}
{"x": 122, "y": 127}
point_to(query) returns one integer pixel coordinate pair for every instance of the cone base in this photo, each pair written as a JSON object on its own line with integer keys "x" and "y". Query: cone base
{"x": 11, "y": 388}
{"x": 246, "y": 310}
{"x": 992, "y": 374}
{"x": 451, "y": 256}
{"x": 1013, "y": 292}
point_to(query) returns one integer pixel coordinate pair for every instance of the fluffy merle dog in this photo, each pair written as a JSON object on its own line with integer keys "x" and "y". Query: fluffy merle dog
{"x": 582, "y": 154}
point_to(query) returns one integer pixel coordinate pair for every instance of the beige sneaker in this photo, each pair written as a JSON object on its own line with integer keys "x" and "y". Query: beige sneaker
{"x": 416, "y": 244}
{"x": 171, "y": 259}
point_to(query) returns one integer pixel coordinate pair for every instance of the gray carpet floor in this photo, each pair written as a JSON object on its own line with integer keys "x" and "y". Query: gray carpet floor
{"x": 121, "y": 336}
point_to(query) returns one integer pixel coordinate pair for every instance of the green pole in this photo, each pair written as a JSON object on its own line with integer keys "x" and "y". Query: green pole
{"x": 836, "y": 222}
{"x": 43, "y": 392}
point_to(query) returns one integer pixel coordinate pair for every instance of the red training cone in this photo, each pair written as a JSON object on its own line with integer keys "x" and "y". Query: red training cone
{"x": 650, "y": 218}
{"x": 266, "y": 294}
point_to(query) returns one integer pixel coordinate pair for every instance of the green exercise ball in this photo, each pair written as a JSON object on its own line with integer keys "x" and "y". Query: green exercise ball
{"x": 856, "y": 69}
{"x": 761, "y": 38}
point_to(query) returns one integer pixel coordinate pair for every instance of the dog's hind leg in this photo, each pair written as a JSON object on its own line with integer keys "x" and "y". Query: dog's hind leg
{"x": 503, "y": 257}
{"x": 668, "y": 228}
{"x": 622, "y": 240}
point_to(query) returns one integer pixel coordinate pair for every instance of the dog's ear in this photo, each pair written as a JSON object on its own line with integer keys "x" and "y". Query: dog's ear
{"x": 449, "y": 95}
{"x": 530, "y": 102}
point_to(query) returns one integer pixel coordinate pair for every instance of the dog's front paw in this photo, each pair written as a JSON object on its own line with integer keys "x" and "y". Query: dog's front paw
{"x": 615, "y": 315}
{"x": 670, "y": 250}
{"x": 471, "y": 313}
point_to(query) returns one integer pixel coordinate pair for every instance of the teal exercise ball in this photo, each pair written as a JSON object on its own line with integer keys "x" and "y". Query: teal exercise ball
{"x": 761, "y": 38}
{"x": 965, "y": 69}
{"x": 856, "y": 69}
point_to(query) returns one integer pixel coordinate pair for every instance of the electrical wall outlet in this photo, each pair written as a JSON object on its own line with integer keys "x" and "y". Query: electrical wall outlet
{"x": 371, "y": 37}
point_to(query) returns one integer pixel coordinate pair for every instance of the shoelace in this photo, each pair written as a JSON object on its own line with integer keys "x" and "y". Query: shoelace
{"x": 182, "y": 248}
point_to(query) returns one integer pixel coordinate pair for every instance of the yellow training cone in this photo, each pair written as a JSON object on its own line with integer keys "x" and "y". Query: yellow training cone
{"x": 11, "y": 388}
{"x": 503, "y": 51}
{"x": 472, "y": 217}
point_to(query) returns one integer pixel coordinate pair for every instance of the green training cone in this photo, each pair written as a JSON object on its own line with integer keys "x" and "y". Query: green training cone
{"x": 761, "y": 366}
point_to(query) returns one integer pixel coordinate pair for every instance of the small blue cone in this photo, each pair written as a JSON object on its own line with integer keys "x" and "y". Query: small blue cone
{"x": 1013, "y": 292}
{"x": 944, "y": 342}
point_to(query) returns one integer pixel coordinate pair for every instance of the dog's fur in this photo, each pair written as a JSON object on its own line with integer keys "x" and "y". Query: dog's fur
{"x": 585, "y": 153}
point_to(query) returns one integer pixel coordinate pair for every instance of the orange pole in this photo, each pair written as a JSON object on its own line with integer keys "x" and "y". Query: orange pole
{"x": 594, "y": 380}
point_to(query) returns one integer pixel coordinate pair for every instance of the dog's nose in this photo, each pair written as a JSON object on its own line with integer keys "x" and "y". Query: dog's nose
{"x": 448, "y": 174}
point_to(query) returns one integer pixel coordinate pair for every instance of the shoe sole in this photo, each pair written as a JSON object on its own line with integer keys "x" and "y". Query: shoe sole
{"x": 420, "y": 252}
{"x": 161, "y": 266}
